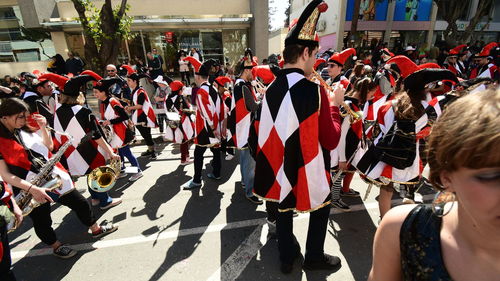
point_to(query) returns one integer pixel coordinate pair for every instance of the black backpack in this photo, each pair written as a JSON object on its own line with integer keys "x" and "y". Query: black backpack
{"x": 397, "y": 147}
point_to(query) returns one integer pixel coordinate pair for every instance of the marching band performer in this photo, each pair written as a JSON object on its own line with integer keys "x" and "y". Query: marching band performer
{"x": 353, "y": 138}
{"x": 335, "y": 65}
{"x": 143, "y": 114}
{"x": 114, "y": 116}
{"x": 298, "y": 127}
{"x": 240, "y": 120}
{"x": 226, "y": 96}
{"x": 72, "y": 118}
{"x": 483, "y": 66}
{"x": 209, "y": 118}
{"x": 184, "y": 131}
{"x": 395, "y": 155}
{"x": 452, "y": 63}
{"x": 23, "y": 153}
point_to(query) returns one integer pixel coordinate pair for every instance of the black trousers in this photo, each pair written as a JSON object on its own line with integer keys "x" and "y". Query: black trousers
{"x": 161, "y": 118}
{"x": 42, "y": 222}
{"x": 316, "y": 233}
{"x": 185, "y": 77}
{"x": 146, "y": 134}
{"x": 6, "y": 273}
{"x": 198, "y": 162}
{"x": 224, "y": 149}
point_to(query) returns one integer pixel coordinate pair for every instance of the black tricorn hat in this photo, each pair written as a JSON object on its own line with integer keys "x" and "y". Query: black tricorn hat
{"x": 72, "y": 87}
{"x": 303, "y": 32}
{"x": 471, "y": 82}
{"x": 104, "y": 84}
{"x": 417, "y": 80}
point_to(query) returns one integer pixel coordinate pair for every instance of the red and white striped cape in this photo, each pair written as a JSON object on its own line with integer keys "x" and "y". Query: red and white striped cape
{"x": 144, "y": 116}
{"x": 209, "y": 114}
{"x": 119, "y": 129}
{"x": 383, "y": 173}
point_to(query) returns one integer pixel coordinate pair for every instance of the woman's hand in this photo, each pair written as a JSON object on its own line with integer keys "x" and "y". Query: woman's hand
{"x": 40, "y": 120}
{"x": 337, "y": 98}
{"x": 114, "y": 156}
{"x": 18, "y": 213}
{"x": 40, "y": 194}
{"x": 106, "y": 123}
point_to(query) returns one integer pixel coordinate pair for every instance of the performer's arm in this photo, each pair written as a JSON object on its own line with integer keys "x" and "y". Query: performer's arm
{"x": 329, "y": 123}
{"x": 250, "y": 103}
{"x": 38, "y": 193}
{"x": 140, "y": 101}
{"x": 46, "y": 138}
{"x": 123, "y": 116}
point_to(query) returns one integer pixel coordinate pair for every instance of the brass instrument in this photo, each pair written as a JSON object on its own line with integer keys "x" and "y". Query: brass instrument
{"x": 44, "y": 179}
{"x": 355, "y": 116}
{"x": 259, "y": 87}
{"x": 103, "y": 178}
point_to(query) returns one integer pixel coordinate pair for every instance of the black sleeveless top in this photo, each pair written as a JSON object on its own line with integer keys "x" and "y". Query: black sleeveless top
{"x": 420, "y": 244}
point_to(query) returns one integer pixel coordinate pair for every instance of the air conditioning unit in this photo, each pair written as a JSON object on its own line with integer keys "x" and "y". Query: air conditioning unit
{"x": 321, "y": 25}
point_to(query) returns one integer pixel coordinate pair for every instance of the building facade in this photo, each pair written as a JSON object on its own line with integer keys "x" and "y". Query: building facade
{"x": 397, "y": 22}
{"x": 220, "y": 29}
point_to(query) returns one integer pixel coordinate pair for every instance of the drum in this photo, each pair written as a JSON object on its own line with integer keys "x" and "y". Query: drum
{"x": 173, "y": 120}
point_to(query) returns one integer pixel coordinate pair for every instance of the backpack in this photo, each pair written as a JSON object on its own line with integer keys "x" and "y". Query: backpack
{"x": 397, "y": 147}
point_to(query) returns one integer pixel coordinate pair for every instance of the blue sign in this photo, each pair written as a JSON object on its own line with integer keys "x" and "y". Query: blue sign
{"x": 368, "y": 10}
{"x": 412, "y": 10}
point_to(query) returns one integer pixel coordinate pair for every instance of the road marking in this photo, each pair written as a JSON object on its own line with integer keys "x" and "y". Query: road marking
{"x": 241, "y": 257}
{"x": 16, "y": 255}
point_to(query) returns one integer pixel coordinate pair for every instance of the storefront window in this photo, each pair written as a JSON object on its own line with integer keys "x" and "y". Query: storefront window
{"x": 235, "y": 43}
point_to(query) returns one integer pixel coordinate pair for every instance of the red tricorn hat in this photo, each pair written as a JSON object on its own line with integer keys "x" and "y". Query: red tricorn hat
{"x": 405, "y": 65}
{"x": 59, "y": 80}
{"x": 318, "y": 63}
{"x": 264, "y": 73}
{"x": 176, "y": 85}
{"x": 429, "y": 65}
{"x": 340, "y": 58}
{"x": 457, "y": 50}
{"x": 387, "y": 52}
{"x": 196, "y": 63}
{"x": 222, "y": 80}
{"x": 485, "y": 52}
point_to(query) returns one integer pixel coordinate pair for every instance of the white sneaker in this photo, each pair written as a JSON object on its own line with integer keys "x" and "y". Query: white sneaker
{"x": 135, "y": 176}
{"x": 229, "y": 157}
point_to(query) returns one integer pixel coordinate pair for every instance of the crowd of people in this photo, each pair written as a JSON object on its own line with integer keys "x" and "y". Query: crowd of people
{"x": 302, "y": 126}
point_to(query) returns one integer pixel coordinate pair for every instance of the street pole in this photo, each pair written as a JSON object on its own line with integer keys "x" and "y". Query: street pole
{"x": 355, "y": 16}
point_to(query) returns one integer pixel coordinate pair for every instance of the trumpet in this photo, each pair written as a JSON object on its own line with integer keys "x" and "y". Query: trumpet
{"x": 355, "y": 116}
{"x": 259, "y": 86}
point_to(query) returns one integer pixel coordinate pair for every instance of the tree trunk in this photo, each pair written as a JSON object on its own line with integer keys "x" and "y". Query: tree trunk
{"x": 483, "y": 9}
{"x": 355, "y": 17}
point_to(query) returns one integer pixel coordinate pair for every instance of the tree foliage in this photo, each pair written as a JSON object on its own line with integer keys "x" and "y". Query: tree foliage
{"x": 37, "y": 35}
{"x": 104, "y": 29}
{"x": 453, "y": 10}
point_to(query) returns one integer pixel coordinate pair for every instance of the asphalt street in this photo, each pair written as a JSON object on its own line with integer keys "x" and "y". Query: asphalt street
{"x": 212, "y": 233}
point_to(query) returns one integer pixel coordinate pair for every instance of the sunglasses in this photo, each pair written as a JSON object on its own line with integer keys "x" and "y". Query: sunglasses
{"x": 110, "y": 70}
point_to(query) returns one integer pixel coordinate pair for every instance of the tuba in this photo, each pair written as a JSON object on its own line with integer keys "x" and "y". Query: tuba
{"x": 103, "y": 178}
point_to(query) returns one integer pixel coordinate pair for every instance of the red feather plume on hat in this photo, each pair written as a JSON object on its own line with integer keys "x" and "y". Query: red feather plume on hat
{"x": 405, "y": 65}
{"x": 263, "y": 72}
{"x": 59, "y": 80}
{"x": 92, "y": 73}
{"x": 222, "y": 80}
{"x": 196, "y": 63}
{"x": 318, "y": 62}
{"x": 486, "y": 50}
{"x": 176, "y": 85}
{"x": 429, "y": 65}
{"x": 342, "y": 56}
{"x": 129, "y": 69}
{"x": 281, "y": 63}
{"x": 457, "y": 49}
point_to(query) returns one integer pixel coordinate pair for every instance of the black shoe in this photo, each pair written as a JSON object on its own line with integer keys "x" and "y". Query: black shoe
{"x": 212, "y": 176}
{"x": 327, "y": 263}
{"x": 147, "y": 153}
{"x": 153, "y": 155}
{"x": 350, "y": 193}
{"x": 340, "y": 205}
{"x": 255, "y": 199}
{"x": 286, "y": 267}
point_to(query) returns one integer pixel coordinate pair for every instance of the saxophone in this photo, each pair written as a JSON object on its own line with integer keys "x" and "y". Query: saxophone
{"x": 43, "y": 179}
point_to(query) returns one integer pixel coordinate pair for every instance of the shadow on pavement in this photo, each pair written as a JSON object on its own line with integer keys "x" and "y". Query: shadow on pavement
{"x": 201, "y": 209}
{"x": 355, "y": 239}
